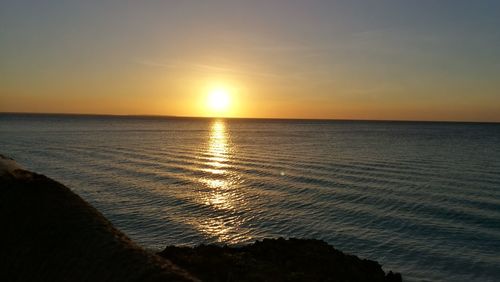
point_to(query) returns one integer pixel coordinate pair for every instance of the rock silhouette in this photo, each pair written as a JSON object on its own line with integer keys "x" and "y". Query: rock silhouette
{"x": 276, "y": 260}
{"x": 51, "y": 234}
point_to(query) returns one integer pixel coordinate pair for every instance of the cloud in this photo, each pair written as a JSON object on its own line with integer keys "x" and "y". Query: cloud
{"x": 207, "y": 68}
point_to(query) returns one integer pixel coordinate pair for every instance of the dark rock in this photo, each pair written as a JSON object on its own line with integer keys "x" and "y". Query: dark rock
{"x": 393, "y": 277}
{"x": 49, "y": 233}
{"x": 276, "y": 260}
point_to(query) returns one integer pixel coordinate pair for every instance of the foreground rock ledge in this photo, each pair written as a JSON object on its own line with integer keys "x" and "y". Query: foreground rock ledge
{"x": 50, "y": 234}
{"x": 276, "y": 260}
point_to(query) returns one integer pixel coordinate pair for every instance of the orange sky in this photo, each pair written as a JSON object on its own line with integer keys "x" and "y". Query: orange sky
{"x": 278, "y": 59}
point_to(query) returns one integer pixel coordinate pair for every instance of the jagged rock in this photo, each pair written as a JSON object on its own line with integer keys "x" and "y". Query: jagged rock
{"x": 276, "y": 260}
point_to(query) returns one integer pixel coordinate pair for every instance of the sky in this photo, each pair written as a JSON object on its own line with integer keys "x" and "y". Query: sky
{"x": 396, "y": 60}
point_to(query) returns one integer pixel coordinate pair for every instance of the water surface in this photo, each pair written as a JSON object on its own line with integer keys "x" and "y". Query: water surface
{"x": 423, "y": 199}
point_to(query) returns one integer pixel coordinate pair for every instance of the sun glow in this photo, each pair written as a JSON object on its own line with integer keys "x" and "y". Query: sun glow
{"x": 218, "y": 99}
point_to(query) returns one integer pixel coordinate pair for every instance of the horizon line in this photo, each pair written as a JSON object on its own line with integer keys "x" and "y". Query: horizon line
{"x": 247, "y": 118}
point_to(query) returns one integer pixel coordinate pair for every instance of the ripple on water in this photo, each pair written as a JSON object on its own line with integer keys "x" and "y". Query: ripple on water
{"x": 421, "y": 198}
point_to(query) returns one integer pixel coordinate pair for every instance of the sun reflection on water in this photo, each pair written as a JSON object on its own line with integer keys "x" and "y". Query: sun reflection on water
{"x": 220, "y": 189}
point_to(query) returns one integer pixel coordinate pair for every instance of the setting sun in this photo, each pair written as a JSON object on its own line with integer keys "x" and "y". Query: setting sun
{"x": 218, "y": 99}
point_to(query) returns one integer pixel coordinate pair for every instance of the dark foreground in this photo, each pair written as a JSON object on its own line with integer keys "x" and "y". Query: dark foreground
{"x": 51, "y": 234}
{"x": 276, "y": 260}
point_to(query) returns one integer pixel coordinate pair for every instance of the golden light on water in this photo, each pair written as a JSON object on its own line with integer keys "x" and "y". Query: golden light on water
{"x": 221, "y": 188}
{"x": 218, "y": 148}
{"x": 218, "y": 157}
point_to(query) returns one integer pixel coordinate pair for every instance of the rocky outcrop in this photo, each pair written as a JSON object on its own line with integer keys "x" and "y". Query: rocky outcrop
{"x": 48, "y": 233}
{"x": 276, "y": 260}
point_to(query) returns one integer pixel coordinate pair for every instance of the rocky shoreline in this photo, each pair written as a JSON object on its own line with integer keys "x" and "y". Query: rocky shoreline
{"x": 276, "y": 260}
{"x": 51, "y": 234}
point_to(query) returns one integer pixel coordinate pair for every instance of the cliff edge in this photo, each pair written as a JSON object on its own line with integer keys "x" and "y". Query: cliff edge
{"x": 51, "y": 234}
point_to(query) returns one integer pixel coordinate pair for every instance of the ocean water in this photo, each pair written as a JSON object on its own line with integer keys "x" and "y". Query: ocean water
{"x": 423, "y": 199}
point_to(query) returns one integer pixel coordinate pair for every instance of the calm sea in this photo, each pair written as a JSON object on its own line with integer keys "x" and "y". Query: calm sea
{"x": 423, "y": 199}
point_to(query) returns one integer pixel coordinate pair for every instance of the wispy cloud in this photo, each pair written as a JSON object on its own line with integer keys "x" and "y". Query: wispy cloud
{"x": 204, "y": 68}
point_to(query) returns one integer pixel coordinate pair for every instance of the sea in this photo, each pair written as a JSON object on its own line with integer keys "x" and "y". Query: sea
{"x": 421, "y": 198}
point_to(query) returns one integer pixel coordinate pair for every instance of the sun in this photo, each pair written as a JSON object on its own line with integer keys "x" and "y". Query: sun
{"x": 218, "y": 99}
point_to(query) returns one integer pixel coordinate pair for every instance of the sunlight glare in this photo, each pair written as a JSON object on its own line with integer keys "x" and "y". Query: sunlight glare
{"x": 218, "y": 99}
